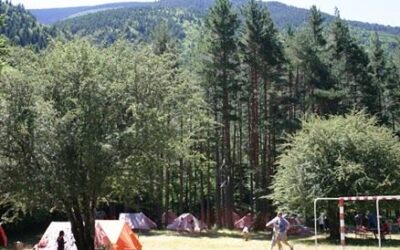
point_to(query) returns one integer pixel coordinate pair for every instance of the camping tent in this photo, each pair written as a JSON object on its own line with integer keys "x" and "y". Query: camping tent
{"x": 187, "y": 222}
{"x": 235, "y": 217}
{"x": 3, "y": 237}
{"x": 119, "y": 234}
{"x": 138, "y": 221}
{"x": 296, "y": 228}
{"x": 49, "y": 239}
{"x": 245, "y": 221}
{"x": 115, "y": 234}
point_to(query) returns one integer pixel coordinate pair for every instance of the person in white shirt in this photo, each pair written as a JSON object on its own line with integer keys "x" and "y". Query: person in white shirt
{"x": 280, "y": 226}
{"x": 321, "y": 222}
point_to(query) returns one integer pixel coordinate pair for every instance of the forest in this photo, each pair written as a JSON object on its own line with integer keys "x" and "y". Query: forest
{"x": 161, "y": 109}
{"x": 22, "y": 28}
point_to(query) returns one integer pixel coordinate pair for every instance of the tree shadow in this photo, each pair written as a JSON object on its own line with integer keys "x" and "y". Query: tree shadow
{"x": 212, "y": 234}
{"x": 352, "y": 242}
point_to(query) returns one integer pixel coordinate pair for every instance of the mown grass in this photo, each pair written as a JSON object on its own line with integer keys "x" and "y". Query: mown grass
{"x": 230, "y": 240}
{"x": 226, "y": 240}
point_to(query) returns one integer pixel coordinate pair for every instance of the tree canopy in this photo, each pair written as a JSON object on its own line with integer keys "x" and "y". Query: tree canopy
{"x": 337, "y": 156}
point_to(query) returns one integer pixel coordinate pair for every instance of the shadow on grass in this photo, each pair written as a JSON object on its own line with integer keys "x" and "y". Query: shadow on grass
{"x": 352, "y": 242}
{"x": 212, "y": 234}
{"x": 30, "y": 239}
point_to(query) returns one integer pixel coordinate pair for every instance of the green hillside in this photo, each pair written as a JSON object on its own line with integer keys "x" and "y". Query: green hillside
{"x": 22, "y": 28}
{"x": 133, "y": 24}
{"x": 283, "y": 15}
{"x": 136, "y": 24}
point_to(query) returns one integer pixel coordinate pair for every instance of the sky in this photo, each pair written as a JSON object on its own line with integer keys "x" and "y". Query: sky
{"x": 373, "y": 11}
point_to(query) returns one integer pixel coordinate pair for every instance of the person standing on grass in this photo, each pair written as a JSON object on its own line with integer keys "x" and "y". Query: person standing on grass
{"x": 280, "y": 225}
{"x": 398, "y": 221}
{"x": 60, "y": 241}
{"x": 321, "y": 222}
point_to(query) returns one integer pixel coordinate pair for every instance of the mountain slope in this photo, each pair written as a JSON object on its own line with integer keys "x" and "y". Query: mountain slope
{"x": 22, "y": 28}
{"x": 50, "y": 16}
{"x": 133, "y": 24}
{"x": 282, "y": 14}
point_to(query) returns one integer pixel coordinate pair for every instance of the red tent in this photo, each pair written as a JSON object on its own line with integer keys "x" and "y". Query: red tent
{"x": 188, "y": 223}
{"x": 296, "y": 228}
{"x": 235, "y": 217}
{"x": 245, "y": 221}
{"x": 3, "y": 237}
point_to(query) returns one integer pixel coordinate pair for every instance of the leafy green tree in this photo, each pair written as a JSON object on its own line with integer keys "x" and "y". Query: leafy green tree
{"x": 78, "y": 129}
{"x": 336, "y": 156}
{"x": 162, "y": 38}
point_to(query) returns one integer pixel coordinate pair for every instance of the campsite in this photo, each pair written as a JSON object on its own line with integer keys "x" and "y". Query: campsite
{"x": 228, "y": 240}
{"x": 136, "y": 231}
{"x": 199, "y": 124}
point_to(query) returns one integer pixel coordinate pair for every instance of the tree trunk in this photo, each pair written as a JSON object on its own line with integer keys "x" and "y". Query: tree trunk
{"x": 254, "y": 130}
{"x": 228, "y": 164}
{"x": 218, "y": 198}
{"x": 82, "y": 226}
{"x": 202, "y": 210}
{"x": 267, "y": 164}
{"x": 334, "y": 226}
{"x": 208, "y": 195}
{"x": 181, "y": 188}
{"x": 208, "y": 205}
{"x": 166, "y": 207}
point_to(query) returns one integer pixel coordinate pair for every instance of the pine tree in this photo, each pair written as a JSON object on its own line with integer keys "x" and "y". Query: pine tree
{"x": 273, "y": 61}
{"x": 316, "y": 22}
{"x": 222, "y": 22}
{"x": 379, "y": 73}
{"x": 251, "y": 49}
{"x": 391, "y": 96}
{"x": 349, "y": 64}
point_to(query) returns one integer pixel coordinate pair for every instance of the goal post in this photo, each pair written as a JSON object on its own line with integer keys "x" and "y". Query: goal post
{"x": 341, "y": 202}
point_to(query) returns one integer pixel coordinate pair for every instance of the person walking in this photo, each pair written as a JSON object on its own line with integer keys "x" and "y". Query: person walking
{"x": 280, "y": 226}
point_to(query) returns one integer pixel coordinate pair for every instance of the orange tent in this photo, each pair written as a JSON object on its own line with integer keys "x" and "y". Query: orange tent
{"x": 119, "y": 236}
{"x": 114, "y": 234}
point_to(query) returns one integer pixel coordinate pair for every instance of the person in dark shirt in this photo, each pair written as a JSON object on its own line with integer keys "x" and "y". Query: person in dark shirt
{"x": 60, "y": 241}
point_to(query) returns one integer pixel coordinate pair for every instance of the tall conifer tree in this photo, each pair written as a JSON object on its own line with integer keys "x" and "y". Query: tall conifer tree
{"x": 222, "y": 22}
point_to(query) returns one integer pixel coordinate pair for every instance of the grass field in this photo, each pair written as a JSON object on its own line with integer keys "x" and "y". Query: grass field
{"x": 227, "y": 240}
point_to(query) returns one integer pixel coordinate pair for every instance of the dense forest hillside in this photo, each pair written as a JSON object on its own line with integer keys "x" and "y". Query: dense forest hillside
{"x": 283, "y": 15}
{"x": 50, "y": 16}
{"x": 133, "y": 24}
{"x": 136, "y": 24}
{"x": 22, "y": 28}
